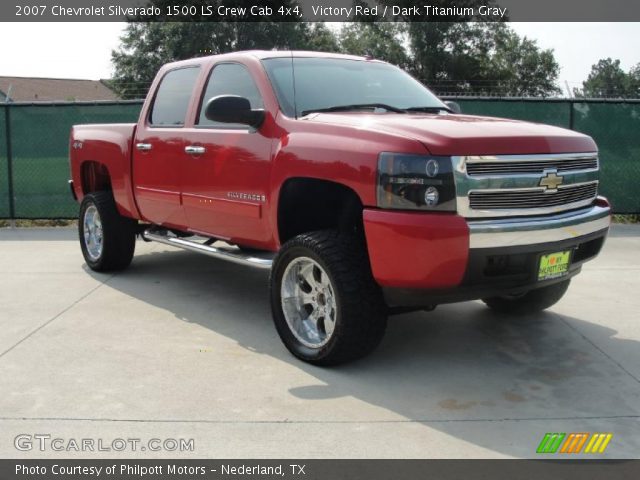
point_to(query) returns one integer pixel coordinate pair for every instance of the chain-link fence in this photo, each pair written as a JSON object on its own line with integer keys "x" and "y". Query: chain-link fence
{"x": 5, "y": 174}
{"x": 34, "y": 166}
{"x": 34, "y": 181}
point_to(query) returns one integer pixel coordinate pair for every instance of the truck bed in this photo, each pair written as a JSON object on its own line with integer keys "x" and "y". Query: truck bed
{"x": 96, "y": 147}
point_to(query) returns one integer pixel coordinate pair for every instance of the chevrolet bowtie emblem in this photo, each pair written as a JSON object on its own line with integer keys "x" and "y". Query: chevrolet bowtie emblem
{"x": 551, "y": 181}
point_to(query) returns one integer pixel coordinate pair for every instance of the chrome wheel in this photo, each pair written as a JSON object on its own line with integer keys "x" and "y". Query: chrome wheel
{"x": 92, "y": 229}
{"x": 308, "y": 302}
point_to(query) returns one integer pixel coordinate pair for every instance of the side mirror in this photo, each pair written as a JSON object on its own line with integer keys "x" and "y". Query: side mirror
{"x": 453, "y": 106}
{"x": 233, "y": 109}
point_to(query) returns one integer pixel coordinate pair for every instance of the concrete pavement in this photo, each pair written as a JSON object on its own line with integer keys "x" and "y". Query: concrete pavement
{"x": 183, "y": 346}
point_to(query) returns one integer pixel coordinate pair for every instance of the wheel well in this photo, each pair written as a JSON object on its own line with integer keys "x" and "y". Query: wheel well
{"x": 309, "y": 204}
{"x": 95, "y": 177}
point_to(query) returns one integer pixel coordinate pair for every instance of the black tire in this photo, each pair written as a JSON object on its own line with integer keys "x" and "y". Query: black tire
{"x": 361, "y": 317}
{"x": 118, "y": 234}
{"x": 533, "y": 301}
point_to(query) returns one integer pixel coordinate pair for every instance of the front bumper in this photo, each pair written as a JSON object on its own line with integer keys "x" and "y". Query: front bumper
{"x": 529, "y": 231}
{"x": 423, "y": 259}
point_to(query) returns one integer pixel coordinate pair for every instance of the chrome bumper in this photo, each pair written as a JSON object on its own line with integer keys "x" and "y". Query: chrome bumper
{"x": 534, "y": 230}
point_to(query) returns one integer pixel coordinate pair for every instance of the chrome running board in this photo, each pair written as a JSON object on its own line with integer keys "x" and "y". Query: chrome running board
{"x": 262, "y": 260}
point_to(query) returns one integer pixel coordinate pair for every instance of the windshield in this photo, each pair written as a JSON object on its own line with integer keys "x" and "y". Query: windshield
{"x": 324, "y": 83}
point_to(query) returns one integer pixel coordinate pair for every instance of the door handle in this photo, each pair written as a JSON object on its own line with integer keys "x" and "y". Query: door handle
{"x": 194, "y": 150}
{"x": 143, "y": 147}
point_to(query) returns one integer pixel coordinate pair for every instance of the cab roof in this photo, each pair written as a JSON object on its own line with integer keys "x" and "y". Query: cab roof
{"x": 264, "y": 54}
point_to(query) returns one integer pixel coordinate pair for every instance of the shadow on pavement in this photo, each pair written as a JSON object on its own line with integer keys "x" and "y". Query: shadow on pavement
{"x": 460, "y": 369}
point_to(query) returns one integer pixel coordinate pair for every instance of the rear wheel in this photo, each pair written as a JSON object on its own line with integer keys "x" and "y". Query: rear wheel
{"x": 326, "y": 306}
{"x": 107, "y": 238}
{"x": 529, "y": 302}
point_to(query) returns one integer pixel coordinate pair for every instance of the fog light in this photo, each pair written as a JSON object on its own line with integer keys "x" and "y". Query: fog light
{"x": 432, "y": 168}
{"x": 431, "y": 196}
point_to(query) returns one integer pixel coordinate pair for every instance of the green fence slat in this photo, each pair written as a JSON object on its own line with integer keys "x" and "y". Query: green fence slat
{"x": 40, "y": 138}
{"x": 551, "y": 113}
{"x": 615, "y": 127}
{"x": 4, "y": 184}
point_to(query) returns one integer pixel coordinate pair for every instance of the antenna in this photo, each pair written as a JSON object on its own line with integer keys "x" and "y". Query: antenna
{"x": 569, "y": 93}
{"x": 293, "y": 81}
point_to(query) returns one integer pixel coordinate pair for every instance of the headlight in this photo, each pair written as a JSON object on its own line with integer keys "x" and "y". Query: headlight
{"x": 415, "y": 182}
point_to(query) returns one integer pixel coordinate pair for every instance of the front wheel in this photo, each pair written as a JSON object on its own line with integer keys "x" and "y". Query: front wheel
{"x": 530, "y": 302}
{"x": 107, "y": 238}
{"x": 326, "y": 306}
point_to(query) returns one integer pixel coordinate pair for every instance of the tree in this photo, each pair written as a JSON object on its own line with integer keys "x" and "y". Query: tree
{"x": 318, "y": 38}
{"x": 146, "y": 46}
{"x": 467, "y": 54}
{"x": 452, "y": 55}
{"x": 521, "y": 68}
{"x": 633, "y": 86}
{"x": 460, "y": 57}
{"x": 383, "y": 41}
{"x": 482, "y": 58}
{"x": 608, "y": 79}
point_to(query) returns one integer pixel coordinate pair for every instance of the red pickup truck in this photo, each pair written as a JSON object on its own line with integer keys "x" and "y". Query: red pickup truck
{"x": 362, "y": 192}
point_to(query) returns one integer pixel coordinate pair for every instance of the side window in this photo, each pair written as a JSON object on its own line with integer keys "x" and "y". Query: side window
{"x": 229, "y": 79}
{"x": 172, "y": 98}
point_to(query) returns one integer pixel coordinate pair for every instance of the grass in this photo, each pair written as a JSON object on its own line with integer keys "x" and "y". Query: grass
{"x": 45, "y": 222}
{"x": 626, "y": 219}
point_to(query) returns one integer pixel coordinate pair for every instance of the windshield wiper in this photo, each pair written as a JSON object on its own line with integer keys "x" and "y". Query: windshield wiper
{"x": 357, "y": 106}
{"x": 428, "y": 109}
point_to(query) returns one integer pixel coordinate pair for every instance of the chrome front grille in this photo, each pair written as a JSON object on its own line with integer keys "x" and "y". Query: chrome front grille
{"x": 520, "y": 185}
{"x": 532, "y": 166}
{"x": 527, "y": 198}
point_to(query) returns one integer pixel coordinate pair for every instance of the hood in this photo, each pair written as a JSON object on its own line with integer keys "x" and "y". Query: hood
{"x": 467, "y": 134}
